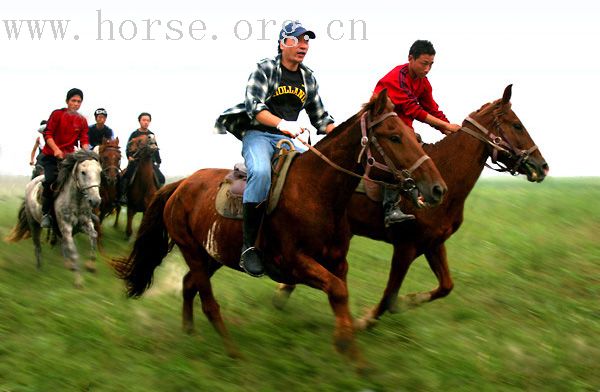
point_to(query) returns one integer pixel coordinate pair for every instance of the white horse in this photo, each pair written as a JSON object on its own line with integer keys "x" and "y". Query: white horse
{"x": 78, "y": 194}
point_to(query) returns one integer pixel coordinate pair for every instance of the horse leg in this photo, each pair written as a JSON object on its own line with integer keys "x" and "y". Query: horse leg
{"x": 401, "y": 261}
{"x": 438, "y": 262}
{"x": 130, "y": 214}
{"x": 36, "y": 233}
{"x": 197, "y": 280}
{"x": 315, "y": 275}
{"x": 94, "y": 235}
{"x": 70, "y": 254}
{"x": 117, "y": 212}
{"x": 282, "y": 294}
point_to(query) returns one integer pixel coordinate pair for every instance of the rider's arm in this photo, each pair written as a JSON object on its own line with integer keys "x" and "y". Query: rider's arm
{"x": 267, "y": 118}
{"x": 35, "y": 147}
{"x": 315, "y": 109}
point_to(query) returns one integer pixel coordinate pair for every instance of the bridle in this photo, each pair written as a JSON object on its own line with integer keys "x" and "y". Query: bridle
{"x": 368, "y": 138}
{"x": 499, "y": 143}
{"x": 107, "y": 168}
{"x": 82, "y": 190}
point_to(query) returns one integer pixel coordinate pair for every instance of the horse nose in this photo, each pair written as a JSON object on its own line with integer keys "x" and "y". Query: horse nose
{"x": 545, "y": 168}
{"x": 438, "y": 192}
{"x": 94, "y": 202}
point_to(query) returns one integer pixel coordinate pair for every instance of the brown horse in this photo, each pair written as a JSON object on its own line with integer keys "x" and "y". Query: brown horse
{"x": 143, "y": 186}
{"x": 110, "y": 159}
{"x": 492, "y": 131}
{"x": 305, "y": 239}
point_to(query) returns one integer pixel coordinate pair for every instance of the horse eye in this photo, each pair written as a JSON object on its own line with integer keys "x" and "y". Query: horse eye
{"x": 396, "y": 139}
{"x": 518, "y": 126}
{"x": 83, "y": 173}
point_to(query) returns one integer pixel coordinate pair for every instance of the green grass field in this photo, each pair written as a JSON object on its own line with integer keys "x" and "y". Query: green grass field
{"x": 524, "y": 313}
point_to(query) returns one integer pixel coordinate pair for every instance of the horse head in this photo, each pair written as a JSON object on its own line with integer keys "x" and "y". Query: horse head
{"x": 110, "y": 160}
{"x": 511, "y": 145}
{"x": 396, "y": 144}
{"x": 143, "y": 146}
{"x": 87, "y": 176}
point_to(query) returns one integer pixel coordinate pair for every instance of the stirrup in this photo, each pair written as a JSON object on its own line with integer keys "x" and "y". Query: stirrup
{"x": 247, "y": 255}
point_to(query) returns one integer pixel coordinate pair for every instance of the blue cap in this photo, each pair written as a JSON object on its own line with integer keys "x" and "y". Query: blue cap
{"x": 295, "y": 29}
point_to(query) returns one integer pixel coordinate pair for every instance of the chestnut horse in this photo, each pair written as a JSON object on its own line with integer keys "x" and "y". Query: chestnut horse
{"x": 110, "y": 159}
{"x": 492, "y": 131}
{"x": 143, "y": 186}
{"x": 308, "y": 233}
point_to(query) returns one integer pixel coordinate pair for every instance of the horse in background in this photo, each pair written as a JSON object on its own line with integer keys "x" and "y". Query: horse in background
{"x": 110, "y": 160}
{"x": 77, "y": 195}
{"x": 144, "y": 183}
{"x": 494, "y": 131}
{"x": 306, "y": 237}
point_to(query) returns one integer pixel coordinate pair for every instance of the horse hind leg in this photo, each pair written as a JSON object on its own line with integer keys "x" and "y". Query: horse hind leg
{"x": 197, "y": 280}
{"x": 36, "y": 233}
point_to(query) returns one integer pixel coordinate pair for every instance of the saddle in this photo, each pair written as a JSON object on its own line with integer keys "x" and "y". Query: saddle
{"x": 229, "y": 199}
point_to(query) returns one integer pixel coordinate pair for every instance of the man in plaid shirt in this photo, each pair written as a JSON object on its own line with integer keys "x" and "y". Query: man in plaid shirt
{"x": 277, "y": 91}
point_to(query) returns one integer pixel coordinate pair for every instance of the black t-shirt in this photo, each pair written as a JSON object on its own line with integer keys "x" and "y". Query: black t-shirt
{"x": 288, "y": 99}
{"x": 95, "y": 135}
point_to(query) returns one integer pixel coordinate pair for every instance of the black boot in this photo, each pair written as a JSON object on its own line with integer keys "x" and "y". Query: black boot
{"x": 46, "y": 221}
{"x": 393, "y": 213}
{"x": 251, "y": 261}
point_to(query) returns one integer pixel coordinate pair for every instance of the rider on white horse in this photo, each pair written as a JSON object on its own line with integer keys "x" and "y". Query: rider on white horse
{"x": 65, "y": 129}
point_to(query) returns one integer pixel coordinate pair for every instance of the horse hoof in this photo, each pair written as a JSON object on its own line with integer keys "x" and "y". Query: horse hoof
{"x": 280, "y": 299}
{"x": 90, "y": 266}
{"x": 69, "y": 265}
{"x": 365, "y": 323}
{"x": 78, "y": 282}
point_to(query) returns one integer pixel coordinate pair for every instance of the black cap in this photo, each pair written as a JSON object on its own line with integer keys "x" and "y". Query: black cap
{"x": 295, "y": 29}
{"x": 100, "y": 111}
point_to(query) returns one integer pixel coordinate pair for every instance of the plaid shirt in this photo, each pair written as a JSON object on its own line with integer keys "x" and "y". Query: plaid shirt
{"x": 262, "y": 84}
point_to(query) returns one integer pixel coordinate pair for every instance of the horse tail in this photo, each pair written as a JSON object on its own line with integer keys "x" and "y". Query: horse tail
{"x": 150, "y": 247}
{"x": 21, "y": 229}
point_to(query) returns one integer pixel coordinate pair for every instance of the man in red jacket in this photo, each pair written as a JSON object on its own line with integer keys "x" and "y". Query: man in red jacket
{"x": 64, "y": 130}
{"x": 409, "y": 89}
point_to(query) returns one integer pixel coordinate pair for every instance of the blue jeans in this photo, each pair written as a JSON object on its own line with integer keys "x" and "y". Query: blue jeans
{"x": 258, "y": 149}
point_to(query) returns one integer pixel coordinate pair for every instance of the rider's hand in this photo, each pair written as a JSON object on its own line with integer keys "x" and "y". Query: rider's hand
{"x": 290, "y": 128}
{"x": 59, "y": 154}
{"x": 30, "y": 163}
{"x": 451, "y": 128}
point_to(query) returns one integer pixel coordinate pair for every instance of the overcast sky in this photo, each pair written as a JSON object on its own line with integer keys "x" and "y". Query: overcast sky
{"x": 547, "y": 50}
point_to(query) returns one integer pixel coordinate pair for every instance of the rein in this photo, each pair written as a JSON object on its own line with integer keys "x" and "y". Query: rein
{"x": 406, "y": 181}
{"x": 498, "y": 144}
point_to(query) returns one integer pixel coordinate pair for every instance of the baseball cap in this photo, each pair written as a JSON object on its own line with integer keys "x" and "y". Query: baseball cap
{"x": 295, "y": 29}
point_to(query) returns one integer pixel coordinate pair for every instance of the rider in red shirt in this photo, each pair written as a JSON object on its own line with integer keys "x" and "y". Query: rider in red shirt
{"x": 65, "y": 128}
{"x": 409, "y": 89}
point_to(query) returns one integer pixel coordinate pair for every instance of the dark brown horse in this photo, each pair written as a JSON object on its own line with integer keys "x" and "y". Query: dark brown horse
{"x": 492, "y": 131}
{"x": 305, "y": 239}
{"x": 110, "y": 159}
{"x": 143, "y": 186}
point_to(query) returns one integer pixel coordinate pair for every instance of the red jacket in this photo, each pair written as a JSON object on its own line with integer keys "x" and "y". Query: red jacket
{"x": 412, "y": 98}
{"x": 66, "y": 129}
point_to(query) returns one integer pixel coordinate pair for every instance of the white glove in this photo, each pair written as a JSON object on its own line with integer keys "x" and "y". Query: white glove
{"x": 290, "y": 128}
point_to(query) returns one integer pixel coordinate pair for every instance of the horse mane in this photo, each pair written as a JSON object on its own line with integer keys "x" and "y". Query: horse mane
{"x": 66, "y": 166}
{"x": 342, "y": 127}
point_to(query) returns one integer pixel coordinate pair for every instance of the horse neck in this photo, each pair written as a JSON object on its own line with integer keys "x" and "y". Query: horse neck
{"x": 145, "y": 173}
{"x": 69, "y": 193}
{"x": 331, "y": 186}
{"x": 460, "y": 159}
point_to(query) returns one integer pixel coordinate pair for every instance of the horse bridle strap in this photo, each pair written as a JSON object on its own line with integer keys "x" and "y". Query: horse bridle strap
{"x": 79, "y": 188}
{"x": 407, "y": 182}
{"x": 498, "y": 145}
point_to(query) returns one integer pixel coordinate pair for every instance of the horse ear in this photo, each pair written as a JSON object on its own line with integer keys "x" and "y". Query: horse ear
{"x": 507, "y": 94}
{"x": 381, "y": 102}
